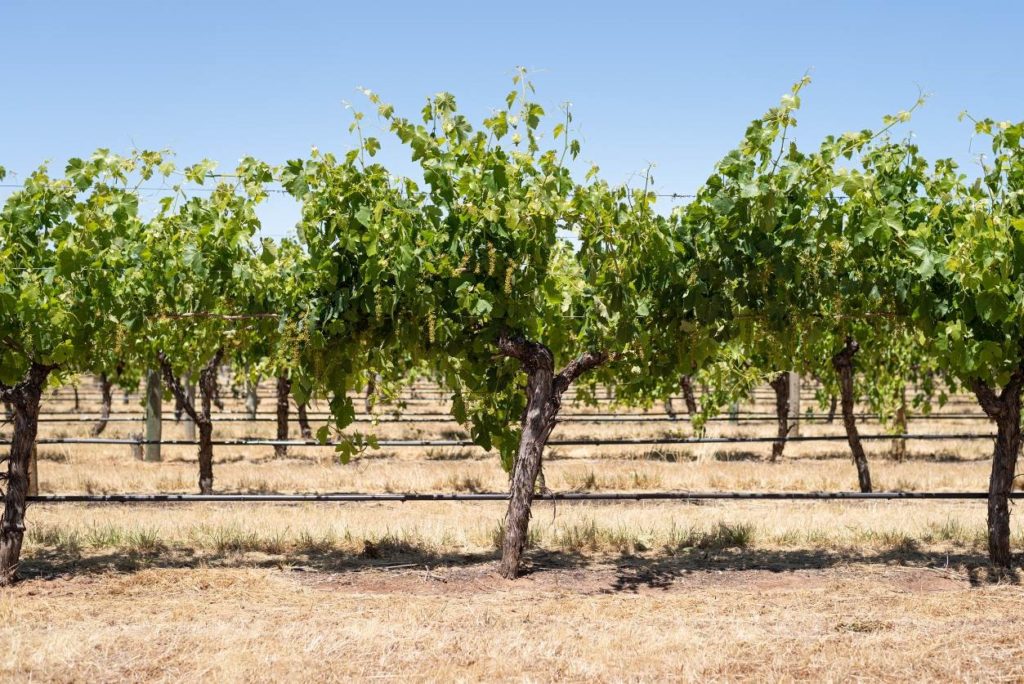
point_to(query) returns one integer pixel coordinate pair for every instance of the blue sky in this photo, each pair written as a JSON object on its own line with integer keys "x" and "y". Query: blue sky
{"x": 670, "y": 84}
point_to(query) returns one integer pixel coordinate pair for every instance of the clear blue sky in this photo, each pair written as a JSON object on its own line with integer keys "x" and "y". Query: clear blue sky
{"x": 670, "y": 84}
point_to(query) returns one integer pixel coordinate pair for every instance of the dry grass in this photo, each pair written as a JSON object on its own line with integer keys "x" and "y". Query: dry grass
{"x": 617, "y": 591}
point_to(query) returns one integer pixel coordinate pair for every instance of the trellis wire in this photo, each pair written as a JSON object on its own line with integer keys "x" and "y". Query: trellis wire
{"x": 412, "y": 497}
{"x": 402, "y": 443}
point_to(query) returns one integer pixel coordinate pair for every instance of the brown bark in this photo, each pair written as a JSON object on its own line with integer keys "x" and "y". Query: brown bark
{"x": 832, "y": 410}
{"x": 106, "y": 399}
{"x": 544, "y": 391}
{"x": 690, "y": 399}
{"x": 670, "y": 409}
{"x": 371, "y": 392}
{"x": 1005, "y": 410}
{"x": 217, "y": 401}
{"x": 306, "y": 430}
{"x": 780, "y": 383}
{"x": 207, "y": 390}
{"x": 284, "y": 388}
{"x": 843, "y": 363}
{"x": 8, "y": 411}
{"x": 24, "y": 398}
{"x": 179, "y": 409}
{"x": 686, "y": 384}
{"x": 190, "y": 392}
{"x": 33, "y": 472}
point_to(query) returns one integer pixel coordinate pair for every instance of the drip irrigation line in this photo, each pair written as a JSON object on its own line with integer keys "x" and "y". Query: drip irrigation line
{"x": 404, "y": 443}
{"x": 411, "y": 497}
{"x": 430, "y": 418}
{"x": 390, "y": 416}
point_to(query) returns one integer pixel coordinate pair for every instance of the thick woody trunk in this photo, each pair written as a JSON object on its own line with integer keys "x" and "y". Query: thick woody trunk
{"x": 190, "y": 393}
{"x": 899, "y": 444}
{"x": 843, "y": 363}
{"x": 217, "y": 401}
{"x": 686, "y": 384}
{"x": 780, "y": 383}
{"x": 33, "y": 472}
{"x": 670, "y": 409}
{"x": 284, "y": 388}
{"x": 1005, "y": 410}
{"x": 304, "y": 427}
{"x": 106, "y": 399}
{"x": 207, "y": 390}
{"x": 371, "y": 393}
{"x": 541, "y": 409}
{"x": 544, "y": 392}
{"x": 832, "y": 410}
{"x": 24, "y": 398}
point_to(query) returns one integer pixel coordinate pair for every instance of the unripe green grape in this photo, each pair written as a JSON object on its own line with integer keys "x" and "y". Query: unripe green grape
{"x": 508, "y": 279}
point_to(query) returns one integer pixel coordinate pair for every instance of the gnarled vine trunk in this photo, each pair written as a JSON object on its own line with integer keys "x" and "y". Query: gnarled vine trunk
{"x": 1005, "y": 410}
{"x": 831, "y": 418}
{"x": 686, "y": 385}
{"x": 544, "y": 390}
{"x": 106, "y": 399}
{"x": 780, "y": 383}
{"x": 371, "y": 392}
{"x": 843, "y": 363}
{"x": 284, "y": 388}
{"x": 306, "y": 430}
{"x": 190, "y": 394}
{"x": 207, "y": 390}
{"x": 24, "y": 398}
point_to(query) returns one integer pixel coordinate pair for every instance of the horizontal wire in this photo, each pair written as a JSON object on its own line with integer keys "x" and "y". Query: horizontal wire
{"x": 405, "y": 443}
{"x": 412, "y": 497}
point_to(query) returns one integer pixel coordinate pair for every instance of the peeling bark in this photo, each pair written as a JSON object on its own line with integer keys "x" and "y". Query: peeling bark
{"x": 284, "y": 388}
{"x": 106, "y": 399}
{"x": 24, "y": 398}
{"x": 207, "y": 390}
{"x": 1005, "y": 410}
{"x": 306, "y": 430}
{"x": 843, "y": 363}
{"x": 780, "y": 383}
{"x": 544, "y": 390}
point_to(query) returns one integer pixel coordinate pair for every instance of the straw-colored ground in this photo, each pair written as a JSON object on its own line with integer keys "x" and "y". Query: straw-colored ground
{"x": 735, "y": 590}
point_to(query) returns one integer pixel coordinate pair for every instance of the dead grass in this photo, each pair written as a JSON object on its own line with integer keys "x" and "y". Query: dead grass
{"x": 616, "y": 591}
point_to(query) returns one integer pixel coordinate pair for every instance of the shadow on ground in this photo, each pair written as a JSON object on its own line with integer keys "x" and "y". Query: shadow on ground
{"x": 629, "y": 572}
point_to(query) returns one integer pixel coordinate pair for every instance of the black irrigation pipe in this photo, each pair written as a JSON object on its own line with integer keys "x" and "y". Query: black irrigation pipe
{"x": 240, "y": 416}
{"x": 429, "y": 418}
{"x": 400, "y": 443}
{"x": 412, "y": 497}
